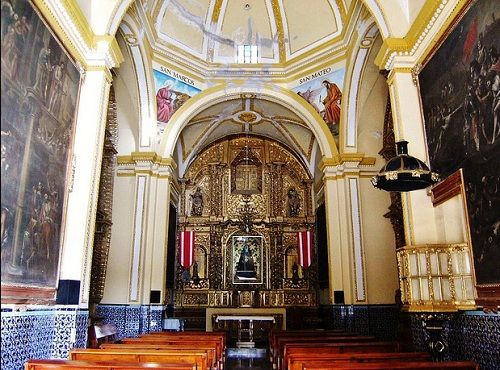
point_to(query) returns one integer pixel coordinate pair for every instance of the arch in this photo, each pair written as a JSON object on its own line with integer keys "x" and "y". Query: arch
{"x": 269, "y": 92}
{"x": 367, "y": 33}
{"x": 141, "y": 60}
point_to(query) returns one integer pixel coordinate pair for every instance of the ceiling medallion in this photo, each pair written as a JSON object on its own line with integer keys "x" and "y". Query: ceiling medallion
{"x": 247, "y": 117}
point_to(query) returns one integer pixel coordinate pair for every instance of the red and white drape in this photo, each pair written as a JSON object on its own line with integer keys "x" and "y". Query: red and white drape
{"x": 186, "y": 246}
{"x": 305, "y": 248}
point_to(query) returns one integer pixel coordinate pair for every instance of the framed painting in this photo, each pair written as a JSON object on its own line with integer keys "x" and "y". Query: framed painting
{"x": 40, "y": 87}
{"x": 460, "y": 87}
{"x": 247, "y": 253}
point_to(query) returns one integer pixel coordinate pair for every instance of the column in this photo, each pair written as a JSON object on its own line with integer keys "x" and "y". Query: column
{"x": 336, "y": 204}
{"x": 82, "y": 201}
{"x": 155, "y": 223}
{"x": 418, "y": 212}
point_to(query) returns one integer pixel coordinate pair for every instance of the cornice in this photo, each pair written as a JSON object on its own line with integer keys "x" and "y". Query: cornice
{"x": 71, "y": 27}
{"x": 359, "y": 159}
{"x": 151, "y": 158}
{"x": 393, "y": 49}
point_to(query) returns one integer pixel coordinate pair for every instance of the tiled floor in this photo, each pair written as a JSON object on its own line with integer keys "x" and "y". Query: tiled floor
{"x": 234, "y": 363}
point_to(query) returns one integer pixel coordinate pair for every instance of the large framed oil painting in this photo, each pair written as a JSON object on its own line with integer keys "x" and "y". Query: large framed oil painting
{"x": 247, "y": 253}
{"x": 460, "y": 89}
{"x": 40, "y": 86}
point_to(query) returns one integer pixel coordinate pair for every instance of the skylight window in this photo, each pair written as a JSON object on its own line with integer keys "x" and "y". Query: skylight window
{"x": 247, "y": 54}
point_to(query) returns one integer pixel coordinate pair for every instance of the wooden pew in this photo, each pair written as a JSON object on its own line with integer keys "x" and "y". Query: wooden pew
{"x": 337, "y": 347}
{"x": 217, "y": 355}
{"x": 295, "y": 360}
{"x": 177, "y": 356}
{"x": 210, "y": 349}
{"x": 203, "y": 335}
{"x": 52, "y": 364}
{"x": 281, "y": 342}
{"x": 274, "y": 335}
{"x": 419, "y": 365}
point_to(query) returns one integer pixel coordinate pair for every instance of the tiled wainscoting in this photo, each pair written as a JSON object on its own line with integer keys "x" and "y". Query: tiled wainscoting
{"x": 471, "y": 335}
{"x": 377, "y": 320}
{"x": 131, "y": 320}
{"x": 45, "y": 332}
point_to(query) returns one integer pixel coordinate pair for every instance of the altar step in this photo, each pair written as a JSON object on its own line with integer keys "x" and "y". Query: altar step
{"x": 246, "y": 352}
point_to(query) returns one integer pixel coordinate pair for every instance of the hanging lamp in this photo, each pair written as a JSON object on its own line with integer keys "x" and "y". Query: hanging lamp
{"x": 404, "y": 173}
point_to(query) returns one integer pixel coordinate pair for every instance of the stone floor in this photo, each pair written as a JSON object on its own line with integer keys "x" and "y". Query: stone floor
{"x": 238, "y": 363}
{"x": 247, "y": 358}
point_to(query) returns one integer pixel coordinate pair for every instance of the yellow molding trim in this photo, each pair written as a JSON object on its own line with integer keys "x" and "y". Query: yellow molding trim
{"x": 455, "y": 14}
{"x": 83, "y": 29}
{"x": 368, "y": 161}
{"x": 346, "y": 157}
{"x": 104, "y": 69}
{"x": 113, "y": 47}
{"x": 405, "y": 44}
{"x": 61, "y": 33}
{"x": 280, "y": 30}
{"x": 152, "y": 157}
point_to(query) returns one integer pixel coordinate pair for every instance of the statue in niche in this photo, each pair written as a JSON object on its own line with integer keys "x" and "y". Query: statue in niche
{"x": 295, "y": 273}
{"x": 293, "y": 202}
{"x": 197, "y": 202}
{"x": 195, "y": 276}
{"x": 245, "y": 268}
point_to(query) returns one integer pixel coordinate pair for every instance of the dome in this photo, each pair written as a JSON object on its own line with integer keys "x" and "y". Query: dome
{"x": 212, "y": 32}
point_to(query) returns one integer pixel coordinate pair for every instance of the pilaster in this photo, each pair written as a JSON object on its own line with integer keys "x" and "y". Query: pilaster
{"x": 82, "y": 200}
{"x": 409, "y": 125}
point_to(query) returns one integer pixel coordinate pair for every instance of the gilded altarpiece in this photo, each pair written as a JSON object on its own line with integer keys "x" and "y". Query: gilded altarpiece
{"x": 246, "y": 197}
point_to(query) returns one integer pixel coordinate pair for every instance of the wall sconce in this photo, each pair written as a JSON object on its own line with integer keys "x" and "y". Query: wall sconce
{"x": 404, "y": 172}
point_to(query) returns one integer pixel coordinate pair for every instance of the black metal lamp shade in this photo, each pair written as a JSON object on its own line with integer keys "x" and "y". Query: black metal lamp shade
{"x": 404, "y": 172}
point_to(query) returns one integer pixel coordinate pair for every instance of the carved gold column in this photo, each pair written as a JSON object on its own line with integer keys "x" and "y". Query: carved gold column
{"x": 276, "y": 190}
{"x": 182, "y": 210}
{"x": 308, "y": 212}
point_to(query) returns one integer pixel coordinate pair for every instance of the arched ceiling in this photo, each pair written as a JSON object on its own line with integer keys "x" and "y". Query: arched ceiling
{"x": 210, "y": 31}
{"x": 249, "y": 115}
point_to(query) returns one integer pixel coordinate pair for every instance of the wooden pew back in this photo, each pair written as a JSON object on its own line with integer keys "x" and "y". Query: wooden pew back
{"x": 210, "y": 349}
{"x": 337, "y": 347}
{"x": 177, "y": 356}
{"x": 52, "y": 364}
{"x": 419, "y": 365}
{"x": 295, "y": 360}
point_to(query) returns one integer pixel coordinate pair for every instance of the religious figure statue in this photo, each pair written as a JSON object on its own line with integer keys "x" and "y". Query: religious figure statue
{"x": 197, "y": 203}
{"x": 245, "y": 268}
{"x": 295, "y": 273}
{"x": 293, "y": 202}
{"x": 195, "y": 276}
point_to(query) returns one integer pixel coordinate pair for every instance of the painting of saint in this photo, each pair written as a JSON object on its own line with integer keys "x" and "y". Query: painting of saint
{"x": 40, "y": 86}
{"x": 324, "y": 94}
{"x": 171, "y": 94}
{"x": 460, "y": 89}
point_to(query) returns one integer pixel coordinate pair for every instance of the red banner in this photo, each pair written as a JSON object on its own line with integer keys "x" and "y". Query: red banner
{"x": 305, "y": 248}
{"x": 186, "y": 243}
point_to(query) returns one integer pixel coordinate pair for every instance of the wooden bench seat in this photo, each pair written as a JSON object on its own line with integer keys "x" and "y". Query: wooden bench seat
{"x": 296, "y": 359}
{"x": 177, "y": 356}
{"x": 52, "y": 364}
{"x": 338, "y": 347}
{"x": 419, "y": 365}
